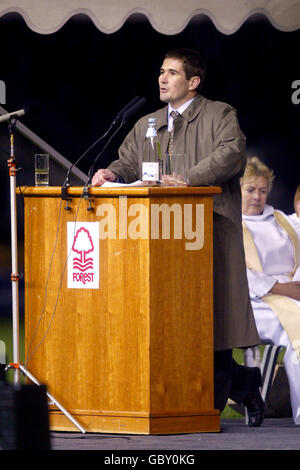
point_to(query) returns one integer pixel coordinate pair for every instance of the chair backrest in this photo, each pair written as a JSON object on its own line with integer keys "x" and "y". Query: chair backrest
{"x": 267, "y": 368}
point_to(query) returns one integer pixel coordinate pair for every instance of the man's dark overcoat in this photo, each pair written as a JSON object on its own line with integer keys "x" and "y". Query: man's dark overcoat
{"x": 208, "y": 133}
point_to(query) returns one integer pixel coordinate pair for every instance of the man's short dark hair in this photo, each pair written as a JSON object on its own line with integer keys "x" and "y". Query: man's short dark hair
{"x": 193, "y": 63}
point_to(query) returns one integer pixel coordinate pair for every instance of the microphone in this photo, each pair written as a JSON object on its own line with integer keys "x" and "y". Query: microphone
{"x": 133, "y": 109}
{"x": 126, "y": 114}
{"x": 128, "y": 105}
{"x": 25, "y": 110}
{"x": 6, "y": 117}
{"x": 130, "y": 108}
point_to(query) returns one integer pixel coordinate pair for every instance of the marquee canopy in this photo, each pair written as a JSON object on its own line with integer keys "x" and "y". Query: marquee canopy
{"x": 166, "y": 16}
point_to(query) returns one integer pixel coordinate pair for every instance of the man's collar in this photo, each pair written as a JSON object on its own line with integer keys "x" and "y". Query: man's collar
{"x": 189, "y": 114}
{"x": 181, "y": 108}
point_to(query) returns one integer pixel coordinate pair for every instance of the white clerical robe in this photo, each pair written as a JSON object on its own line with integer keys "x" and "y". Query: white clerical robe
{"x": 277, "y": 257}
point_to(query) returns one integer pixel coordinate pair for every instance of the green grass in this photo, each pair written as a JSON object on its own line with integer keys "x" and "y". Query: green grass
{"x": 229, "y": 413}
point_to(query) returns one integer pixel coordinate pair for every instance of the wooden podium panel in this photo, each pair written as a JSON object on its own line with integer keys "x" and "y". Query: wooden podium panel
{"x": 134, "y": 355}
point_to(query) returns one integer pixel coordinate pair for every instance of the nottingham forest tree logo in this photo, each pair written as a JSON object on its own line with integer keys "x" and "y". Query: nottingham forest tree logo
{"x": 83, "y": 244}
{"x": 83, "y": 255}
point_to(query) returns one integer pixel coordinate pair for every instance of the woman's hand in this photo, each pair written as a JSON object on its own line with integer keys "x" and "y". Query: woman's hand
{"x": 290, "y": 289}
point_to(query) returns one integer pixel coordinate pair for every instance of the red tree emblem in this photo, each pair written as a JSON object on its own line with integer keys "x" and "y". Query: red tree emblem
{"x": 83, "y": 244}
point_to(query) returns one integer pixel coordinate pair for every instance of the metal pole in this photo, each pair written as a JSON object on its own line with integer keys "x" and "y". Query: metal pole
{"x": 15, "y": 281}
{"x": 33, "y": 379}
{"x": 14, "y": 256}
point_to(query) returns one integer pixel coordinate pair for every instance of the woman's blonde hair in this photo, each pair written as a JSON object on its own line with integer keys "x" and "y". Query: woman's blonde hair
{"x": 254, "y": 168}
{"x": 297, "y": 198}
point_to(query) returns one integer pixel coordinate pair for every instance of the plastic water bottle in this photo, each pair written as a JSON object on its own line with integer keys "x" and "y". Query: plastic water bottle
{"x": 152, "y": 156}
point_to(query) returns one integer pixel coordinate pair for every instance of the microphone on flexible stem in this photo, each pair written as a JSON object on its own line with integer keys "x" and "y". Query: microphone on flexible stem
{"x": 133, "y": 109}
{"x": 126, "y": 115}
{"x": 127, "y": 111}
{"x": 128, "y": 106}
{"x": 91, "y": 170}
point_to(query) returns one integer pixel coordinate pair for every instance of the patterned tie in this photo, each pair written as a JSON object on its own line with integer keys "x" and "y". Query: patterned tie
{"x": 174, "y": 115}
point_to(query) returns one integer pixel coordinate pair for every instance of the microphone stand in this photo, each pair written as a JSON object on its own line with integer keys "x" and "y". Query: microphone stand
{"x": 121, "y": 116}
{"x": 64, "y": 188}
{"x": 91, "y": 169}
{"x": 66, "y": 182}
{"x": 15, "y": 277}
{"x": 130, "y": 109}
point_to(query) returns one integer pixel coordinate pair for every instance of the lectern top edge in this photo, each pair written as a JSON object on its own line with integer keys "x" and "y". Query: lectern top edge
{"x": 55, "y": 191}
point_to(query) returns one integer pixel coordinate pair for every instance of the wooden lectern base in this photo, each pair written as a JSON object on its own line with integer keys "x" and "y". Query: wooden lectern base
{"x": 130, "y": 424}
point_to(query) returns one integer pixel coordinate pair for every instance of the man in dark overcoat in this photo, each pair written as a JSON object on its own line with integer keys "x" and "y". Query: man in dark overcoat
{"x": 208, "y": 133}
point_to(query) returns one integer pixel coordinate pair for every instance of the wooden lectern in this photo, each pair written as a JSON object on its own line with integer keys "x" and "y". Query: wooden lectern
{"x": 133, "y": 354}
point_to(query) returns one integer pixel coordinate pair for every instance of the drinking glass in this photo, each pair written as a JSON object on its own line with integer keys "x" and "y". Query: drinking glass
{"x": 174, "y": 170}
{"x": 41, "y": 168}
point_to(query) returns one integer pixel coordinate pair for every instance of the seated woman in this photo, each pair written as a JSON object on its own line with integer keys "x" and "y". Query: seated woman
{"x": 272, "y": 259}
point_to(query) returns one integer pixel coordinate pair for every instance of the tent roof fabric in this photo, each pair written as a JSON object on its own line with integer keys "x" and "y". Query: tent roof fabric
{"x": 167, "y": 17}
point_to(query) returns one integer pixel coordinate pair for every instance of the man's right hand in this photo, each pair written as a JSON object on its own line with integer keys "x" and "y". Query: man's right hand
{"x": 102, "y": 176}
